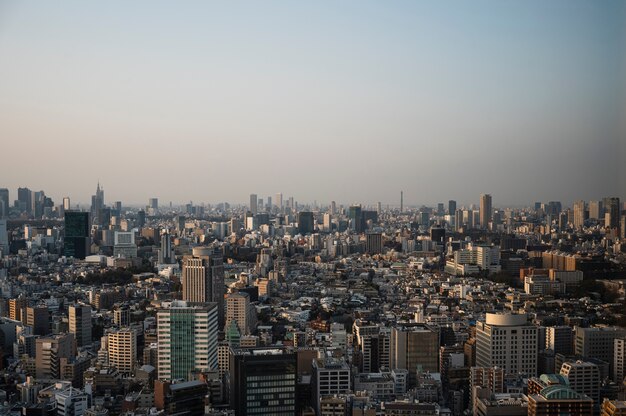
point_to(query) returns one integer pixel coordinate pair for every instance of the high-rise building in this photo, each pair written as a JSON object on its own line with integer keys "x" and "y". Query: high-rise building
{"x": 122, "y": 350}
{"x": 414, "y": 347}
{"x": 253, "y": 204}
{"x": 124, "y": 244}
{"x": 374, "y": 243}
{"x": 187, "y": 339}
{"x": 50, "y": 351}
{"x": 38, "y": 318}
{"x": 239, "y": 310}
{"x": 186, "y": 398}
{"x": 4, "y": 202}
{"x": 17, "y": 308}
{"x": 279, "y": 201}
{"x": 166, "y": 255}
{"x": 597, "y": 342}
{"x": 79, "y": 317}
{"x": 66, "y": 203}
{"x": 560, "y": 339}
{"x": 356, "y": 218}
{"x": 203, "y": 279}
{"x": 579, "y": 214}
{"x": 306, "y": 222}
{"x": 451, "y": 207}
{"x": 263, "y": 381}
{"x": 612, "y": 210}
{"x": 596, "y": 211}
{"x": 485, "y": 210}
{"x": 4, "y": 236}
{"x": 507, "y": 341}
{"x": 24, "y": 200}
{"x": 619, "y": 359}
{"x": 331, "y": 376}
{"x": 153, "y": 204}
{"x": 76, "y": 242}
{"x": 584, "y": 378}
{"x": 613, "y": 408}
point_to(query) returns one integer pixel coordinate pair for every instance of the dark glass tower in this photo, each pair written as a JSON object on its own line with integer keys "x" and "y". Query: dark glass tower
{"x": 76, "y": 234}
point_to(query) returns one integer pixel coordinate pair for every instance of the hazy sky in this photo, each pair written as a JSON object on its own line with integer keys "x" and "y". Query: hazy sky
{"x": 344, "y": 100}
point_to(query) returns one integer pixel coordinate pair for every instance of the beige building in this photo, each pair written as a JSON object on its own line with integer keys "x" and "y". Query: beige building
{"x": 122, "y": 348}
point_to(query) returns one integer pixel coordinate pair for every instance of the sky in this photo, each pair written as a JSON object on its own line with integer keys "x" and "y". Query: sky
{"x": 351, "y": 101}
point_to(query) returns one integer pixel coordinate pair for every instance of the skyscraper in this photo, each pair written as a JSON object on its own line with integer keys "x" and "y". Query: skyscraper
{"x": 507, "y": 341}
{"x": 76, "y": 243}
{"x": 97, "y": 204}
{"x": 356, "y": 218}
{"x": 612, "y": 210}
{"x": 451, "y": 207}
{"x": 4, "y": 236}
{"x": 579, "y": 214}
{"x": 279, "y": 201}
{"x": 66, "y": 203}
{"x": 4, "y": 202}
{"x": 239, "y": 310}
{"x": 414, "y": 346}
{"x": 80, "y": 323}
{"x": 306, "y": 222}
{"x": 24, "y": 200}
{"x": 203, "y": 279}
{"x": 122, "y": 350}
{"x": 374, "y": 243}
{"x": 263, "y": 381}
{"x": 253, "y": 204}
{"x": 187, "y": 339}
{"x": 485, "y": 210}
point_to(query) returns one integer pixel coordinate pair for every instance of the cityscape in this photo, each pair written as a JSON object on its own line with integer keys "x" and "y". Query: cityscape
{"x": 276, "y": 307}
{"x": 313, "y": 208}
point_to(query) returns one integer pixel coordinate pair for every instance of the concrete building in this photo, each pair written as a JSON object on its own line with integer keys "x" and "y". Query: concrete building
{"x": 203, "y": 279}
{"x": 413, "y": 347}
{"x": 239, "y": 310}
{"x": 122, "y": 350}
{"x": 584, "y": 378}
{"x": 80, "y": 324}
{"x": 507, "y": 341}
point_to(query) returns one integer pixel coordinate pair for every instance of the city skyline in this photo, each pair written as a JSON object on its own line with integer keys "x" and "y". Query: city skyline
{"x": 359, "y": 100}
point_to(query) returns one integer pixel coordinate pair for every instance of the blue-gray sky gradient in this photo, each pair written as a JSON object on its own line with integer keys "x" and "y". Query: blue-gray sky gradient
{"x": 349, "y": 101}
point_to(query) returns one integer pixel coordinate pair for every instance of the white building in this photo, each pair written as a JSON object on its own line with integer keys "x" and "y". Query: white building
{"x": 507, "y": 341}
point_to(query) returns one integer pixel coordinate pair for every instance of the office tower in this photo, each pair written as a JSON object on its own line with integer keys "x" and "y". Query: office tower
{"x": 560, "y": 339}
{"x": 619, "y": 360}
{"x": 485, "y": 210}
{"x": 121, "y": 316}
{"x": 24, "y": 200}
{"x": 97, "y": 204}
{"x": 4, "y": 236}
{"x": 579, "y": 214}
{"x": 269, "y": 204}
{"x": 4, "y": 202}
{"x": 187, "y": 339}
{"x": 141, "y": 218}
{"x": 203, "y": 279}
{"x": 440, "y": 209}
{"x": 259, "y": 204}
{"x": 17, "y": 308}
{"x": 153, "y": 203}
{"x": 181, "y": 398}
{"x": 379, "y": 208}
{"x": 66, "y": 203}
{"x": 76, "y": 243}
{"x": 124, "y": 245}
{"x": 597, "y": 342}
{"x": 328, "y": 225}
{"x": 401, "y": 201}
{"x": 279, "y": 201}
{"x": 38, "y": 318}
{"x": 118, "y": 208}
{"x": 438, "y": 235}
{"x": 331, "y": 376}
{"x": 292, "y": 205}
{"x": 373, "y": 346}
{"x": 306, "y": 222}
{"x": 166, "y": 255}
{"x": 333, "y": 207}
{"x": 356, "y": 218}
{"x": 414, "y": 347}
{"x": 252, "y": 370}
{"x": 50, "y": 351}
{"x": 239, "y": 310}
{"x": 559, "y": 400}
{"x": 122, "y": 350}
{"x": 596, "y": 211}
{"x": 584, "y": 378}
{"x": 458, "y": 219}
{"x": 80, "y": 323}
{"x": 374, "y": 243}
{"x": 507, "y": 341}
{"x": 612, "y": 210}
{"x": 253, "y": 204}
{"x": 451, "y": 207}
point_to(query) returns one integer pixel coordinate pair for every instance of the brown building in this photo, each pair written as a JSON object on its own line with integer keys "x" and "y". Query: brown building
{"x": 174, "y": 398}
{"x": 613, "y": 408}
{"x": 559, "y": 400}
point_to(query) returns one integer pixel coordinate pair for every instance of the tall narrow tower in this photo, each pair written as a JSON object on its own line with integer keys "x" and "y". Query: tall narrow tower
{"x": 401, "y": 201}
